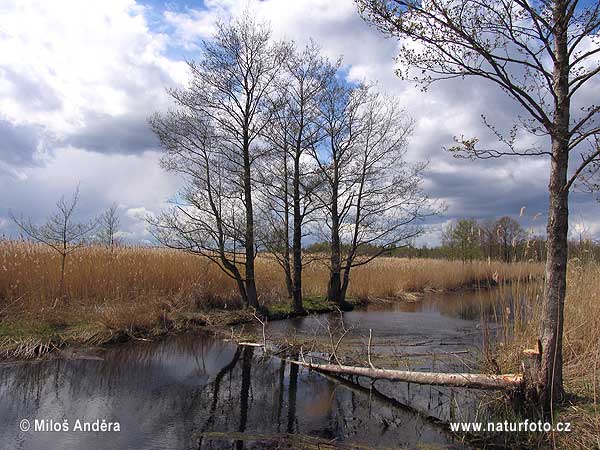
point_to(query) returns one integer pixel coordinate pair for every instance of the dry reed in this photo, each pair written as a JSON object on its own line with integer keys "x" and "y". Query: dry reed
{"x": 520, "y": 320}
{"x": 137, "y": 289}
{"x": 96, "y": 275}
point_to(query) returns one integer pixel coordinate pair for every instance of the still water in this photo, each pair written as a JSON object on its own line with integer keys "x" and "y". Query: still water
{"x": 196, "y": 392}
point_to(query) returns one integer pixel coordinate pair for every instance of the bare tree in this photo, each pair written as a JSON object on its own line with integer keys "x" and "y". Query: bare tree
{"x": 510, "y": 236}
{"x": 540, "y": 53}
{"x": 293, "y": 132}
{"x": 373, "y": 197}
{"x": 339, "y": 108}
{"x": 488, "y": 238}
{"x": 109, "y": 223}
{"x": 213, "y": 140}
{"x": 60, "y": 232}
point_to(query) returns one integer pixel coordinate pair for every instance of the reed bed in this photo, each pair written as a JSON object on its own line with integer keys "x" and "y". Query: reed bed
{"x": 141, "y": 290}
{"x": 519, "y": 320}
{"x": 96, "y": 275}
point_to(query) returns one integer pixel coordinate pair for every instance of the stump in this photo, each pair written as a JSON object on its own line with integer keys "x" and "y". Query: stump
{"x": 532, "y": 374}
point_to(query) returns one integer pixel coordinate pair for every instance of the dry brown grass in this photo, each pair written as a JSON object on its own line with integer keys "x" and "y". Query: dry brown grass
{"x": 96, "y": 276}
{"x": 137, "y": 291}
{"x": 581, "y": 349}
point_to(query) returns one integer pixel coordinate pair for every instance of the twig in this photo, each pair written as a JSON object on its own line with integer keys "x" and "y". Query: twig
{"x": 12, "y": 303}
{"x": 369, "y": 350}
{"x": 263, "y": 323}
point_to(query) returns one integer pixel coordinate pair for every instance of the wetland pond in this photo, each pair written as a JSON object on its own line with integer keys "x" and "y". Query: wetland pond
{"x": 197, "y": 392}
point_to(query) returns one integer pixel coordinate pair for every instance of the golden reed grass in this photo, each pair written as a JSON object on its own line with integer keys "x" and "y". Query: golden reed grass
{"x": 136, "y": 291}
{"x": 581, "y": 347}
{"x": 96, "y": 275}
{"x": 140, "y": 288}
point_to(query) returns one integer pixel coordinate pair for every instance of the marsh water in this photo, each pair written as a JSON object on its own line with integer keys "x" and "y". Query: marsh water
{"x": 197, "y": 392}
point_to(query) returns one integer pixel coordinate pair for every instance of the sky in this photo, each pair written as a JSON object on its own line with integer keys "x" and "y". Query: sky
{"x": 78, "y": 80}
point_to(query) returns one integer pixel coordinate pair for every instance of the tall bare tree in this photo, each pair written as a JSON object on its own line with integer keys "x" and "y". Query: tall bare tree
{"x": 109, "y": 223}
{"x": 542, "y": 54}
{"x": 61, "y": 232}
{"x": 339, "y": 106}
{"x": 510, "y": 236}
{"x": 295, "y": 130}
{"x": 216, "y": 131}
{"x": 372, "y": 196}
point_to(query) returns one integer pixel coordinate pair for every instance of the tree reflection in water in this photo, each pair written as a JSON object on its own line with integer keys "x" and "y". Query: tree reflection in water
{"x": 196, "y": 392}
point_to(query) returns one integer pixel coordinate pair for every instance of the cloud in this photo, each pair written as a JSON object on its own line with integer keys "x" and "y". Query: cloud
{"x": 135, "y": 182}
{"x": 20, "y": 143}
{"x": 87, "y": 72}
{"x": 128, "y": 133}
{"x": 78, "y": 79}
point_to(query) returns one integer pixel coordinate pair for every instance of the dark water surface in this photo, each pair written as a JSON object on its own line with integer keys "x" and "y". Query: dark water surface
{"x": 195, "y": 392}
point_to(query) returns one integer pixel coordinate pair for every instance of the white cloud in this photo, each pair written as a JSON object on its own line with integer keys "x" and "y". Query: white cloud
{"x": 79, "y": 78}
{"x": 60, "y": 60}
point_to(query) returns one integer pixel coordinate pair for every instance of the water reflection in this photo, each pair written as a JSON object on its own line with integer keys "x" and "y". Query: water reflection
{"x": 440, "y": 332}
{"x": 197, "y": 393}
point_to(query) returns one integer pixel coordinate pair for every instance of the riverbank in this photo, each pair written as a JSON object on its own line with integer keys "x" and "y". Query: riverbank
{"x": 581, "y": 353}
{"x": 21, "y": 339}
{"x": 140, "y": 293}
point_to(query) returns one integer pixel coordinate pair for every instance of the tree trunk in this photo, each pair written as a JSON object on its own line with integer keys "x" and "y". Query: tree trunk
{"x": 63, "y": 260}
{"x": 345, "y": 283}
{"x": 242, "y": 291}
{"x": 297, "y": 240}
{"x": 556, "y": 281}
{"x": 289, "y": 283}
{"x": 467, "y": 380}
{"x": 558, "y": 224}
{"x": 252, "y": 298}
{"x": 334, "y": 287}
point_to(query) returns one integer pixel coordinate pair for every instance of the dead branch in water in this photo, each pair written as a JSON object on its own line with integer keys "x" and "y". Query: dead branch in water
{"x": 467, "y": 380}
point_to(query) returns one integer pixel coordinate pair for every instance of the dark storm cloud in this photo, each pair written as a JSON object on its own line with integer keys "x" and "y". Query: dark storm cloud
{"x": 31, "y": 90}
{"x": 127, "y": 133}
{"x": 105, "y": 133}
{"x": 19, "y": 143}
{"x": 480, "y": 191}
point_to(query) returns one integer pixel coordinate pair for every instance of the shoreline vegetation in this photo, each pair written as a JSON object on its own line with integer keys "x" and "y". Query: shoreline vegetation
{"x": 113, "y": 295}
{"x": 142, "y": 293}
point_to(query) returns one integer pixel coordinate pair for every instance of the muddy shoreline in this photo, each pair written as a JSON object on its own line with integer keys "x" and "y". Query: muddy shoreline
{"x": 216, "y": 322}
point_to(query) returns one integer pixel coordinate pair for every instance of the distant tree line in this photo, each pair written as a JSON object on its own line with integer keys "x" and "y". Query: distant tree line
{"x": 504, "y": 239}
{"x": 468, "y": 239}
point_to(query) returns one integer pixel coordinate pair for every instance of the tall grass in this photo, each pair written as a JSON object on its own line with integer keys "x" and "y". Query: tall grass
{"x": 139, "y": 291}
{"x": 97, "y": 275}
{"x": 519, "y": 319}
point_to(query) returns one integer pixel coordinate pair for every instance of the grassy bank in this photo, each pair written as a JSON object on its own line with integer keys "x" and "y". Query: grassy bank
{"x": 140, "y": 292}
{"x": 581, "y": 351}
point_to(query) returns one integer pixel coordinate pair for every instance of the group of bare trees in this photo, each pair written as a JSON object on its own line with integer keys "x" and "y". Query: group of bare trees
{"x": 544, "y": 54}
{"x": 64, "y": 233}
{"x": 274, "y": 144}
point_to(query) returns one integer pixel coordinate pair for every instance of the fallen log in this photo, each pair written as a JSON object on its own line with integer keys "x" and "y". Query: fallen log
{"x": 250, "y": 344}
{"x": 466, "y": 380}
